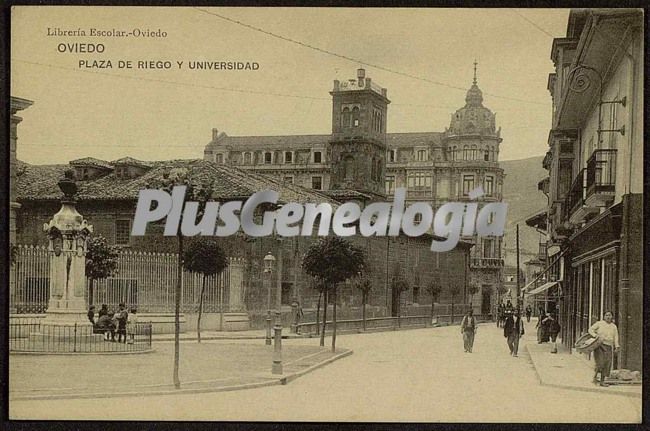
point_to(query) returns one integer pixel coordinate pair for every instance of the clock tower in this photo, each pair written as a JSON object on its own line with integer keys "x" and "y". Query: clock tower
{"x": 358, "y": 141}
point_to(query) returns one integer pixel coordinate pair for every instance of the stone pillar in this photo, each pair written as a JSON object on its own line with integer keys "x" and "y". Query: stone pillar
{"x": 68, "y": 234}
{"x": 17, "y": 104}
{"x": 236, "y": 281}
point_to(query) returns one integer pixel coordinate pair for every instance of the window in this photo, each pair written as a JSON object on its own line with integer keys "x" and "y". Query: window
{"x": 122, "y": 232}
{"x": 488, "y": 248}
{"x": 247, "y": 158}
{"x": 348, "y": 167}
{"x": 288, "y": 179}
{"x": 346, "y": 118}
{"x": 317, "y": 157}
{"x": 419, "y": 180}
{"x": 489, "y": 186}
{"x": 392, "y": 155}
{"x": 355, "y": 116}
{"x": 317, "y": 183}
{"x": 486, "y": 157}
{"x": 421, "y": 155}
{"x": 288, "y": 157}
{"x": 219, "y": 158}
{"x": 465, "y": 152}
{"x": 468, "y": 184}
{"x": 268, "y": 157}
{"x": 613, "y": 123}
{"x": 390, "y": 185}
{"x": 418, "y": 218}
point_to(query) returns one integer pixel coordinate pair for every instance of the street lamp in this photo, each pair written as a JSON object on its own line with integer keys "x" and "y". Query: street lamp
{"x": 269, "y": 264}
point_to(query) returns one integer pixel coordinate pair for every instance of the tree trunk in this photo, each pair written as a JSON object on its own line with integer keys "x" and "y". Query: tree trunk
{"x": 320, "y": 295}
{"x": 177, "y": 312}
{"x": 334, "y": 323}
{"x": 433, "y": 300}
{"x": 91, "y": 296}
{"x": 363, "y": 312}
{"x": 198, "y": 320}
{"x": 322, "y": 334}
{"x": 399, "y": 309}
{"x": 452, "y": 310}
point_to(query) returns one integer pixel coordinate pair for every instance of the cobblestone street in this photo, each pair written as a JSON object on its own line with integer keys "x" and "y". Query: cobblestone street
{"x": 414, "y": 375}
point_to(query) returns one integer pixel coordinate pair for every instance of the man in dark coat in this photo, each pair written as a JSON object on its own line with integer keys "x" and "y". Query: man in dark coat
{"x": 513, "y": 329}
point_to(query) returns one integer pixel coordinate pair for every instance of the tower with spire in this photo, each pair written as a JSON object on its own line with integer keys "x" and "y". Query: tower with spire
{"x": 472, "y": 146}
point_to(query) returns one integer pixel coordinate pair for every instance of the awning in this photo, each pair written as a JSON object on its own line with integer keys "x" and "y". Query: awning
{"x": 544, "y": 287}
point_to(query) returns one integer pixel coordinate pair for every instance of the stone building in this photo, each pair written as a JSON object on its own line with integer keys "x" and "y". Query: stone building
{"x": 360, "y": 161}
{"x": 107, "y": 197}
{"x": 595, "y": 185}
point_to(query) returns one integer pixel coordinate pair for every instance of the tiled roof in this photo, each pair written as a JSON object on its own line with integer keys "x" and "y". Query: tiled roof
{"x": 347, "y": 194}
{"x": 130, "y": 161}
{"x": 269, "y": 142}
{"x": 412, "y": 139}
{"x": 39, "y": 182}
{"x": 91, "y": 161}
{"x": 249, "y": 143}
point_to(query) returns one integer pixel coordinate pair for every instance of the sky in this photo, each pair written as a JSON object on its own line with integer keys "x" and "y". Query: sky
{"x": 157, "y": 114}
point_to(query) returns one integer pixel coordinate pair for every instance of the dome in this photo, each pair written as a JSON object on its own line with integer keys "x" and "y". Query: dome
{"x": 474, "y": 96}
{"x": 473, "y": 118}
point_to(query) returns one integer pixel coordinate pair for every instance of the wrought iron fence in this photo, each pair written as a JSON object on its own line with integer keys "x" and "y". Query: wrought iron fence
{"x": 30, "y": 335}
{"x": 145, "y": 281}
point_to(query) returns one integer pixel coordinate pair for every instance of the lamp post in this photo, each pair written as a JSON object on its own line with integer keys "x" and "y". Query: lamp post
{"x": 269, "y": 263}
{"x": 277, "y": 329}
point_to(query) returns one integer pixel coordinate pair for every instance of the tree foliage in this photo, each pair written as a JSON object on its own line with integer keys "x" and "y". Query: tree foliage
{"x": 434, "y": 289}
{"x": 101, "y": 258}
{"x": 333, "y": 260}
{"x": 205, "y": 256}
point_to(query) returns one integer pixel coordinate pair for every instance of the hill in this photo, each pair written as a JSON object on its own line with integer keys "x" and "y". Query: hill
{"x": 523, "y": 199}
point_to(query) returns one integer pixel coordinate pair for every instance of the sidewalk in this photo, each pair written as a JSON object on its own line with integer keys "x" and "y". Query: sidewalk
{"x": 252, "y": 334}
{"x": 205, "y": 367}
{"x": 569, "y": 371}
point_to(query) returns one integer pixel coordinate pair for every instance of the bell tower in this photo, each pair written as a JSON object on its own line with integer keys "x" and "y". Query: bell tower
{"x": 358, "y": 141}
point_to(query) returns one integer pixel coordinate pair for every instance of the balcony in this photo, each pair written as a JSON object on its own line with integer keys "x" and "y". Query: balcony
{"x": 601, "y": 178}
{"x": 486, "y": 262}
{"x": 577, "y": 210}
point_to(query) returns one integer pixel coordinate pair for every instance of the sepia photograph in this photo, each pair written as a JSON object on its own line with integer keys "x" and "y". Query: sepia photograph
{"x": 276, "y": 214}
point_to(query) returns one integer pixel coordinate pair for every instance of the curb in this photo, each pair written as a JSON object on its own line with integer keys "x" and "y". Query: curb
{"x": 270, "y": 382}
{"x": 213, "y": 338}
{"x": 577, "y": 388}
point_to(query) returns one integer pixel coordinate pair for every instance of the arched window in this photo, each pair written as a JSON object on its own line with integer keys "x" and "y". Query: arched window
{"x": 474, "y": 153}
{"x": 486, "y": 157}
{"x": 355, "y": 116}
{"x": 466, "y": 152}
{"x": 345, "y": 118}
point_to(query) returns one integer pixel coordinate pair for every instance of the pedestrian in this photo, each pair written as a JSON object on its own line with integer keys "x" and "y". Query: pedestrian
{"x": 103, "y": 311}
{"x": 122, "y": 316}
{"x": 298, "y": 315}
{"x": 106, "y": 326}
{"x": 542, "y": 329}
{"x": 91, "y": 314}
{"x": 607, "y": 332}
{"x": 513, "y": 329}
{"x": 132, "y": 320}
{"x": 552, "y": 328}
{"x": 468, "y": 329}
{"x": 499, "y": 314}
{"x": 529, "y": 312}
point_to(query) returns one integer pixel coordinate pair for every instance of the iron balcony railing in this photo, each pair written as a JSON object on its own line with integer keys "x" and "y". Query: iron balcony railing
{"x": 486, "y": 262}
{"x": 601, "y": 172}
{"x": 576, "y": 196}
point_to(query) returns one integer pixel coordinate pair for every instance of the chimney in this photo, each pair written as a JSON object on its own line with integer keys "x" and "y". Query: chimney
{"x": 215, "y": 133}
{"x": 361, "y": 74}
{"x": 336, "y": 85}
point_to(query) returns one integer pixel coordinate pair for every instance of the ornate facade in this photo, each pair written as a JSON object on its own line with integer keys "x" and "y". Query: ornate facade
{"x": 360, "y": 161}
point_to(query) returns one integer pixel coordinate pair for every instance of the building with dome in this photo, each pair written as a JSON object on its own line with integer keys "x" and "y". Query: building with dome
{"x": 360, "y": 161}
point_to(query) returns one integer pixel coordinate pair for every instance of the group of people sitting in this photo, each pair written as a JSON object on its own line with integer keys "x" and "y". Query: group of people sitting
{"x": 110, "y": 323}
